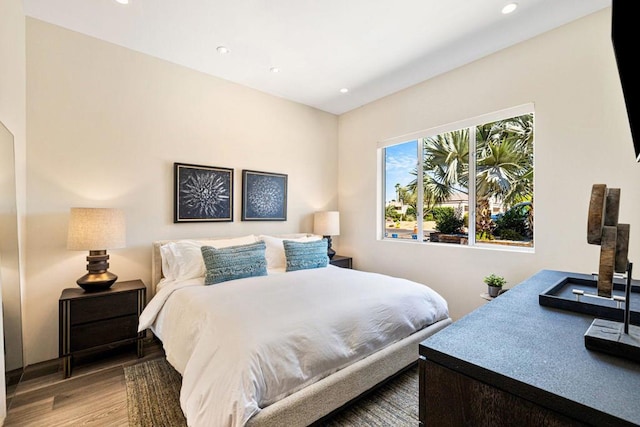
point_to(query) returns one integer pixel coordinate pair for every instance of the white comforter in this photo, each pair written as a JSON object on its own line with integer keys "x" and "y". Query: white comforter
{"x": 244, "y": 344}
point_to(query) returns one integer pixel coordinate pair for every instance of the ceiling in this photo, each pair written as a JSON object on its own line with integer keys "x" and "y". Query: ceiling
{"x": 371, "y": 47}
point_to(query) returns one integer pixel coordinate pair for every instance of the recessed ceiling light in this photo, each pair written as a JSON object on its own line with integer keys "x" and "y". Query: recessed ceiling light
{"x": 222, "y": 50}
{"x": 344, "y": 90}
{"x": 509, "y": 8}
{"x": 274, "y": 69}
{"x": 123, "y": 1}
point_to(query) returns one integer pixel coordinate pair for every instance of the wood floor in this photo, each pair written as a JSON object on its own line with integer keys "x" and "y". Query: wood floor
{"x": 95, "y": 394}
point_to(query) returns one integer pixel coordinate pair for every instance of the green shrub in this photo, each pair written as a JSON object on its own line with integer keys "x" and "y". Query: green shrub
{"x": 514, "y": 224}
{"x": 447, "y": 220}
{"x": 510, "y": 234}
{"x": 485, "y": 235}
{"x": 392, "y": 214}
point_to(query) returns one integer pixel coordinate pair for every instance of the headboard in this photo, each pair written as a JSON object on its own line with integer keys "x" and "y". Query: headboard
{"x": 156, "y": 258}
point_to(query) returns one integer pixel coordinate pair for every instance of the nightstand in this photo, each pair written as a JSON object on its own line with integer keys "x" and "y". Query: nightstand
{"x": 342, "y": 261}
{"x": 99, "y": 321}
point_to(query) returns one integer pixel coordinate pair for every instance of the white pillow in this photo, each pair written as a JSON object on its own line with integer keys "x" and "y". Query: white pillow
{"x": 182, "y": 260}
{"x": 275, "y": 249}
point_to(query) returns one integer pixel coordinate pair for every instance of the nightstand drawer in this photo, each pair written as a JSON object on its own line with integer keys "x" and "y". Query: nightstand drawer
{"x": 103, "y": 307}
{"x": 103, "y": 332}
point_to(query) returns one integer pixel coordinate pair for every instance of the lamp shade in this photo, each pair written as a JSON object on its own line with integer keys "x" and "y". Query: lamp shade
{"x": 326, "y": 223}
{"x": 96, "y": 229}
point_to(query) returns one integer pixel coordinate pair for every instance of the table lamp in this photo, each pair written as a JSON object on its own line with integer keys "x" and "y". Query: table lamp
{"x": 327, "y": 224}
{"x": 96, "y": 230}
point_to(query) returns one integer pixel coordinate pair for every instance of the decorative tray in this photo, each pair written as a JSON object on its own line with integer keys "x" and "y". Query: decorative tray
{"x": 561, "y": 296}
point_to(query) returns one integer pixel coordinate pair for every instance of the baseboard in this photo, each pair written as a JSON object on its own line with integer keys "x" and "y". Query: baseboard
{"x": 13, "y": 377}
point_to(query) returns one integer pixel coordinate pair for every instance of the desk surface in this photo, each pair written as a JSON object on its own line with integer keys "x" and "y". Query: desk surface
{"x": 538, "y": 353}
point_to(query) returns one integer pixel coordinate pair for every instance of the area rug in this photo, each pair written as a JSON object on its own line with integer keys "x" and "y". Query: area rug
{"x": 153, "y": 394}
{"x": 155, "y": 384}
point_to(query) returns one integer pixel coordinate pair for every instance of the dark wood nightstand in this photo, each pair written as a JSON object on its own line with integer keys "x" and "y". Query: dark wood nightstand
{"x": 342, "y": 261}
{"x": 94, "y": 321}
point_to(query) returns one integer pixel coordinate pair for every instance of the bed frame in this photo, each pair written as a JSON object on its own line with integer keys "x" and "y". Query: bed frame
{"x": 317, "y": 400}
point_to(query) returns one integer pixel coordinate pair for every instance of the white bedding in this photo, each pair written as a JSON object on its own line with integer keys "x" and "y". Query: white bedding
{"x": 244, "y": 344}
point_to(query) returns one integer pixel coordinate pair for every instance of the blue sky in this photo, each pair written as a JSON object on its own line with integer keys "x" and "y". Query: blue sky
{"x": 400, "y": 160}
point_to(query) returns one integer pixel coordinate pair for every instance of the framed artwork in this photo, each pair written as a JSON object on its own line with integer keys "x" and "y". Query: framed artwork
{"x": 264, "y": 196}
{"x": 202, "y": 193}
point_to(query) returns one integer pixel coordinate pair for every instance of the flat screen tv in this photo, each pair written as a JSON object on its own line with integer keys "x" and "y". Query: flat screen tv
{"x": 625, "y": 30}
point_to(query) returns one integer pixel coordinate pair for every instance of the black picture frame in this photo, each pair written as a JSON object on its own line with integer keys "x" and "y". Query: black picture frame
{"x": 202, "y": 193}
{"x": 264, "y": 196}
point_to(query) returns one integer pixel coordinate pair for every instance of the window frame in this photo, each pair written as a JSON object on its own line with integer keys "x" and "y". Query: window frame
{"x": 419, "y": 136}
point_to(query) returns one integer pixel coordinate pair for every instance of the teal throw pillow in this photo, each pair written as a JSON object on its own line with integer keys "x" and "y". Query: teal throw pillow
{"x": 234, "y": 262}
{"x": 305, "y": 255}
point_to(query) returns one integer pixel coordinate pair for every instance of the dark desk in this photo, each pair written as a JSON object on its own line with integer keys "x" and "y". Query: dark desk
{"x": 515, "y": 362}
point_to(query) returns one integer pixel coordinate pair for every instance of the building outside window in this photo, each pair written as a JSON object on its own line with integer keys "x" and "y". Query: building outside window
{"x": 477, "y": 181}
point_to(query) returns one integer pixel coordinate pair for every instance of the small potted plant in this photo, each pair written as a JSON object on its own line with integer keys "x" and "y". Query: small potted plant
{"x": 494, "y": 284}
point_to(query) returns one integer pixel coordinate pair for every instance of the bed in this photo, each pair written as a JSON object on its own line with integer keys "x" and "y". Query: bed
{"x": 281, "y": 347}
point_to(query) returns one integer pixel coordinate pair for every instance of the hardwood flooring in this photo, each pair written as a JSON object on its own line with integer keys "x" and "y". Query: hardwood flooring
{"x": 94, "y": 395}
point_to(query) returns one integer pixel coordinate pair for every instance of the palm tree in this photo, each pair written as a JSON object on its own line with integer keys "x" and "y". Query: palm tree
{"x": 446, "y": 160}
{"x": 446, "y": 167}
{"x": 504, "y": 166}
{"x": 410, "y": 198}
{"x": 504, "y": 160}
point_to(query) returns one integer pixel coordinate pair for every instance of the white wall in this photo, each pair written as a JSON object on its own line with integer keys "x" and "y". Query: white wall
{"x": 105, "y": 125}
{"x": 12, "y": 112}
{"x": 582, "y": 137}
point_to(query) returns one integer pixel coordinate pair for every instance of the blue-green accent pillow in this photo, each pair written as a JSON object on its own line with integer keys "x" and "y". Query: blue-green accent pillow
{"x": 305, "y": 255}
{"x": 234, "y": 262}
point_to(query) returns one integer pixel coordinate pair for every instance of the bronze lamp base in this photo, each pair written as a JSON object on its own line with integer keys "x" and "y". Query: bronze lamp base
{"x": 98, "y": 278}
{"x": 330, "y": 252}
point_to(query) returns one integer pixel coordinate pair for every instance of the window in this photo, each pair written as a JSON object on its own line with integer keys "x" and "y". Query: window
{"x": 477, "y": 182}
